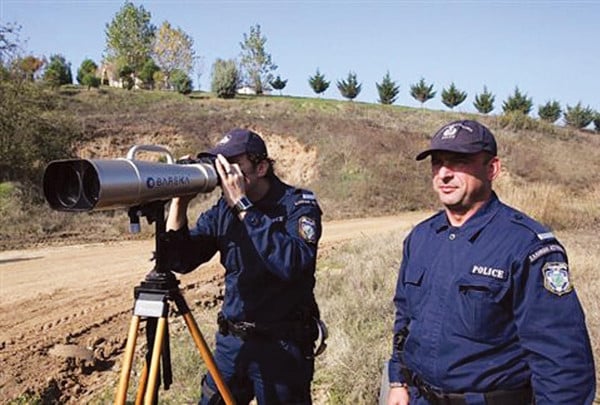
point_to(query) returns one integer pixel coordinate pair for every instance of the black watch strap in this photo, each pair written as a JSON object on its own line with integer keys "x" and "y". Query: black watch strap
{"x": 243, "y": 204}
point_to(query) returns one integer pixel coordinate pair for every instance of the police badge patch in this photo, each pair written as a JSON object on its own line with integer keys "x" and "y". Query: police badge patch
{"x": 307, "y": 228}
{"x": 556, "y": 278}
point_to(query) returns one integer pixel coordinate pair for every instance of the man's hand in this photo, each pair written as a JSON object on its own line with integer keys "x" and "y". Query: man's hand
{"x": 233, "y": 181}
{"x": 398, "y": 396}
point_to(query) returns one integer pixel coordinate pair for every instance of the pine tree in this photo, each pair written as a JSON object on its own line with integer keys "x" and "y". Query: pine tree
{"x": 518, "y": 102}
{"x": 597, "y": 122}
{"x": 451, "y": 97}
{"x": 550, "y": 111}
{"x": 387, "y": 89}
{"x": 318, "y": 83}
{"x": 579, "y": 116}
{"x": 422, "y": 92}
{"x": 484, "y": 102}
{"x": 349, "y": 88}
{"x": 278, "y": 84}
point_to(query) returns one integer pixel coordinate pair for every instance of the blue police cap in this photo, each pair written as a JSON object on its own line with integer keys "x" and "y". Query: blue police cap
{"x": 239, "y": 141}
{"x": 464, "y": 136}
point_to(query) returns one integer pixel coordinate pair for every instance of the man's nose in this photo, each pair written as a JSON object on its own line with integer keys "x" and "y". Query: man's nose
{"x": 445, "y": 172}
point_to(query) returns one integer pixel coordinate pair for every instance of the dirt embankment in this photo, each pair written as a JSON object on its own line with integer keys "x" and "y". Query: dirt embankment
{"x": 65, "y": 311}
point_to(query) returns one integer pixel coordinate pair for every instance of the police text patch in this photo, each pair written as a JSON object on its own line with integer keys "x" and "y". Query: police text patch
{"x": 489, "y": 272}
{"x": 307, "y": 228}
{"x": 556, "y": 278}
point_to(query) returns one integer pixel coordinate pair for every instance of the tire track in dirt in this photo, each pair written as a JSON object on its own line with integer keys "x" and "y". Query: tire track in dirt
{"x": 65, "y": 311}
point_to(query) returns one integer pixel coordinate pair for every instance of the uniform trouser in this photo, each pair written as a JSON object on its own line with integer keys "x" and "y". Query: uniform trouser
{"x": 273, "y": 371}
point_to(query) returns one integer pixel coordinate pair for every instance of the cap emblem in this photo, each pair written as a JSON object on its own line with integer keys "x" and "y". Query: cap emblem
{"x": 224, "y": 140}
{"x": 451, "y": 130}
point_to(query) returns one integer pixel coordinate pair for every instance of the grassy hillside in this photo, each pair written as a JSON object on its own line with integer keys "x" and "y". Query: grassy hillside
{"x": 358, "y": 158}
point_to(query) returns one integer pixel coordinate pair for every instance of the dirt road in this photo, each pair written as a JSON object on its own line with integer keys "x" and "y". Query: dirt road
{"x": 65, "y": 311}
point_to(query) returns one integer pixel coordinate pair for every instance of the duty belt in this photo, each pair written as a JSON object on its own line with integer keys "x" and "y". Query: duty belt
{"x": 520, "y": 396}
{"x": 279, "y": 330}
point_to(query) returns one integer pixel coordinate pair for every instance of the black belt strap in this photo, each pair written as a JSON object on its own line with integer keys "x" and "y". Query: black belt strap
{"x": 520, "y": 396}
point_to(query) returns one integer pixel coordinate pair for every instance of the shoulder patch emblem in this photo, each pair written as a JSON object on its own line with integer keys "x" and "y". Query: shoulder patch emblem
{"x": 556, "y": 278}
{"x": 307, "y": 228}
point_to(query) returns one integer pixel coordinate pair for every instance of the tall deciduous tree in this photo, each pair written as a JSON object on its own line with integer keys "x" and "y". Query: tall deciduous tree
{"x": 517, "y": 102}
{"x": 129, "y": 37}
{"x": 484, "y": 102}
{"x": 173, "y": 50}
{"x": 9, "y": 42}
{"x": 452, "y": 96}
{"x": 387, "y": 89}
{"x": 318, "y": 83}
{"x": 550, "y": 111}
{"x": 256, "y": 62}
{"x": 350, "y": 87}
{"x": 422, "y": 92}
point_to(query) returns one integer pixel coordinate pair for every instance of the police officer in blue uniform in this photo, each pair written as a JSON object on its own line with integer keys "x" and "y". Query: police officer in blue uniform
{"x": 267, "y": 234}
{"x": 486, "y": 312}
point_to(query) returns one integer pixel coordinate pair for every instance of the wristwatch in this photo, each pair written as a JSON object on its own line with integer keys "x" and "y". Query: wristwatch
{"x": 243, "y": 204}
{"x": 398, "y": 385}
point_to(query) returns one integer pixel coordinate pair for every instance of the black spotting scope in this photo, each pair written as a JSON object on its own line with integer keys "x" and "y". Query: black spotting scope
{"x": 100, "y": 184}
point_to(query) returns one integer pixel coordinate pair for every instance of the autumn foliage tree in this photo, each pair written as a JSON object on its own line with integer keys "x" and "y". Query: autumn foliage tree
{"x": 173, "y": 50}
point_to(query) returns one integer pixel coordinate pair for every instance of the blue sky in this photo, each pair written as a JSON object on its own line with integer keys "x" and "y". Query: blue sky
{"x": 549, "y": 49}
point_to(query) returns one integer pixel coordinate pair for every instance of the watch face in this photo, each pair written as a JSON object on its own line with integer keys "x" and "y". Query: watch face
{"x": 243, "y": 204}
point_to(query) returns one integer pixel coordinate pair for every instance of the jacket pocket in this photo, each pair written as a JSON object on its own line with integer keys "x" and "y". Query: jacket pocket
{"x": 416, "y": 293}
{"x": 481, "y": 312}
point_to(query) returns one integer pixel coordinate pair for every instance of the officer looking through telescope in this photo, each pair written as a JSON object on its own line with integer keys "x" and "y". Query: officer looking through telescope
{"x": 267, "y": 233}
{"x": 486, "y": 312}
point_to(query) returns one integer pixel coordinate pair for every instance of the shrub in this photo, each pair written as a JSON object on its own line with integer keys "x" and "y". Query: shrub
{"x": 225, "y": 78}
{"x": 181, "y": 82}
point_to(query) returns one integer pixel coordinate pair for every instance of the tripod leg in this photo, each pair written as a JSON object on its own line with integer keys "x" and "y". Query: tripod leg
{"x": 139, "y": 398}
{"x": 127, "y": 361}
{"x": 207, "y": 357}
{"x": 155, "y": 362}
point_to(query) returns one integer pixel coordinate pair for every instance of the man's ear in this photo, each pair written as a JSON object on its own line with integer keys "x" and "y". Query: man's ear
{"x": 262, "y": 168}
{"x": 494, "y": 167}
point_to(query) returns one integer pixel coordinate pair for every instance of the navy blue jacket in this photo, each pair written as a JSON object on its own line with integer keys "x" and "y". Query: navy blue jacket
{"x": 269, "y": 257}
{"x": 489, "y": 306}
